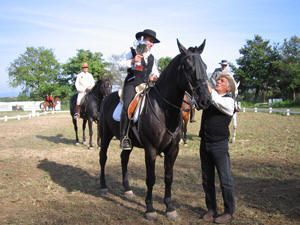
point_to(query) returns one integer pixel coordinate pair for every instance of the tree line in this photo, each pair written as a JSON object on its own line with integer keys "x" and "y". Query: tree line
{"x": 264, "y": 70}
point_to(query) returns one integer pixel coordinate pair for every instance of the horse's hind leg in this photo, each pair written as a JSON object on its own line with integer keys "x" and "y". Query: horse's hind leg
{"x": 124, "y": 161}
{"x": 83, "y": 131}
{"x": 90, "y": 123}
{"x": 76, "y": 130}
{"x": 169, "y": 164}
{"x": 105, "y": 140}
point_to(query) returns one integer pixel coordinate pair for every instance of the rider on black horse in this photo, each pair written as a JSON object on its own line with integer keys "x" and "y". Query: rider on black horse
{"x": 141, "y": 69}
{"x": 84, "y": 83}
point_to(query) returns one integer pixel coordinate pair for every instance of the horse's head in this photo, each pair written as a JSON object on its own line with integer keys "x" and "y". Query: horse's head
{"x": 194, "y": 70}
{"x": 105, "y": 87}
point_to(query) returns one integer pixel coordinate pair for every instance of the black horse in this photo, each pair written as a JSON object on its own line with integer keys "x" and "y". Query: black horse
{"x": 90, "y": 108}
{"x": 159, "y": 124}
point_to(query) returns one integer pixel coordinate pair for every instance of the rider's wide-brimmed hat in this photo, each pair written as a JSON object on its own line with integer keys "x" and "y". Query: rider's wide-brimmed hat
{"x": 147, "y": 32}
{"x": 224, "y": 62}
{"x": 230, "y": 79}
{"x": 84, "y": 65}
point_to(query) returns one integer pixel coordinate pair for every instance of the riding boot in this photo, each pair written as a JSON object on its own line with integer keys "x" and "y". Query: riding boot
{"x": 77, "y": 114}
{"x": 192, "y": 117}
{"x": 125, "y": 142}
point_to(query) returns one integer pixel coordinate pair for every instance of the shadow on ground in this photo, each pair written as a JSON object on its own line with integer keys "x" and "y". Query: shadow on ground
{"x": 268, "y": 195}
{"x": 57, "y": 139}
{"x": 76, "y": 179}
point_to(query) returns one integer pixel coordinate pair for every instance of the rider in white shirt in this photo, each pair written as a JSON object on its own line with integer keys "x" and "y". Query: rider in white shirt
{"x": 84, "y": 83}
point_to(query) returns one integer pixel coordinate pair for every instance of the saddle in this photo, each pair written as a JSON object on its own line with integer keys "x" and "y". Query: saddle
{"x": 135, "y": 106}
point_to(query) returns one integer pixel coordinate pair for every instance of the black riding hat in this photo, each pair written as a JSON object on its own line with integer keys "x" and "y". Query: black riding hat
{"x": 147, "y": 32}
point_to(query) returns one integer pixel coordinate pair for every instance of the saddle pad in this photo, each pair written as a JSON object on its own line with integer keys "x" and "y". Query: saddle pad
{"x": 118, "y": 111}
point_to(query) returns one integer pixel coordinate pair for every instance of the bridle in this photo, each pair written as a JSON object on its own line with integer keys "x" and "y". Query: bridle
{"x": 198, "y": 76}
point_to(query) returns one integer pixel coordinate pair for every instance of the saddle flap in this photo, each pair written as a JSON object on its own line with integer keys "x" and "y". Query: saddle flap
{"x": 132, "y": 106}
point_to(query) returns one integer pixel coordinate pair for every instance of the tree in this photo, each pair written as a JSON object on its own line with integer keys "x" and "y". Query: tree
{"x": 116, "y": 71}
{"x": 163, "y": 63}
{"x": 257, "y": 70}
{"x": 36, "y": 71}
{"x": 290, "y": 66}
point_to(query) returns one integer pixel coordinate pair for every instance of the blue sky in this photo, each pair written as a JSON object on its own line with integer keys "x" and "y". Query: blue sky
{"x": 109, "y": 26}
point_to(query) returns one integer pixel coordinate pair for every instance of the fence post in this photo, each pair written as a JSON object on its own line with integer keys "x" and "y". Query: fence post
{"x": 5, "y": 118}
{"x": 270, "y": 110}
{"x": 18, "y": 117}
{"x": 255, "y": 109}
{"x": 244, "y": 109}
{"x": 33, "y": 112}
{"x": 288, "y": 112}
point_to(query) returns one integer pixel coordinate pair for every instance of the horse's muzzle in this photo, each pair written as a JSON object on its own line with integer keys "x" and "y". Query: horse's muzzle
{"x": 203, "y": 104}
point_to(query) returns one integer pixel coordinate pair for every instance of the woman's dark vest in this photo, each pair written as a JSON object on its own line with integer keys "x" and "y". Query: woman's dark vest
{"x": 214, "y": 124}
{"x": 137, "y": 77}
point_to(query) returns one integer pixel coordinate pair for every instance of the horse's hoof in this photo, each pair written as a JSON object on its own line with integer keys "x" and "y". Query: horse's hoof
{"x": 151, "y": 215}
{"x": 76, "y": 143}
{"x": 129, "y": 194}
{"x": 84, "y": 142}
{"x": 103, "y": 191}
{"x": 91, "y": 148}
{"x": 172, "y": 215}
{"x": 185, "y": 145}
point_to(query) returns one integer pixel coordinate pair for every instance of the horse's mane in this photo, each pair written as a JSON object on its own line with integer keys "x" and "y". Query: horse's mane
{"x": 170, "y": 65}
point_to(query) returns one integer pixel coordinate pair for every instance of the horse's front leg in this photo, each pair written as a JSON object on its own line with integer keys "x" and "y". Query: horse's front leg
{"x": 83, "y": 131}
{"x": 125, "y": 154}
{"x": 150, "y": 158}
{"x": 234, "y": 122}
{"x": 169, "y": 164}
{"x": 76, "y": 130}
{"x": 184, "y": 132}
{"x": 90, "y": 122}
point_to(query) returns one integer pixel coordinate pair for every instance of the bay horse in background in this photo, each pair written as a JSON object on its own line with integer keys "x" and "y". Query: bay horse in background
{"x": 46, "y": 105}
{"x": 186, "y": 108}
{"x": 160, "y": 125}
{"x": 90, "y": 107}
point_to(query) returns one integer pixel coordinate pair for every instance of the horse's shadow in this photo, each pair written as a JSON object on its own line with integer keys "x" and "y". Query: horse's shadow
{"x": 76, "y": 179}
{"x": 57, "y": 139}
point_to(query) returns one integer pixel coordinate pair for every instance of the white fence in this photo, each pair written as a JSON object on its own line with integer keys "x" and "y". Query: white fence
{"x": 23, "y": 106}
{"x": 270, "y": 110}
{"x": 30, "y": 115}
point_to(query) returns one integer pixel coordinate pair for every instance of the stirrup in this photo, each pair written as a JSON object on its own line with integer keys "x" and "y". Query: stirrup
{"x": 76, "y": 116}
{"x": 126, "y": 143}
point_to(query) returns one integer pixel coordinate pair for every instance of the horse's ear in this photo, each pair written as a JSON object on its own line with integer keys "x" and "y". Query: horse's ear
{"x": 201, "y": 47}
{"x": 182, "y": 49}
